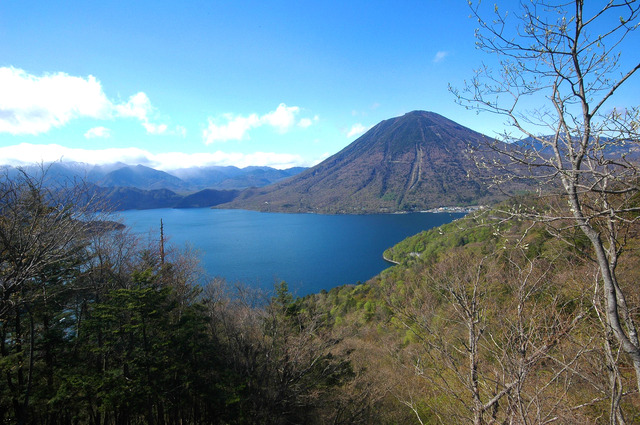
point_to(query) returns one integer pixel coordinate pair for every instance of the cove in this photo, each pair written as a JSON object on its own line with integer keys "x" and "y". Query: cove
{"x": 310, "y": 252}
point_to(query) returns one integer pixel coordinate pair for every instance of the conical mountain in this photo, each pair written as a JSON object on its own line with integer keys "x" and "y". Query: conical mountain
{"x": 409, "y": 163}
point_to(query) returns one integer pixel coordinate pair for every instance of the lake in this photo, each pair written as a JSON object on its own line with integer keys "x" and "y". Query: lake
{"x": 310, "y": 252}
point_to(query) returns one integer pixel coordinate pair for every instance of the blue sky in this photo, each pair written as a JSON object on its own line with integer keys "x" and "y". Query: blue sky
{"x": 174, "y": 84}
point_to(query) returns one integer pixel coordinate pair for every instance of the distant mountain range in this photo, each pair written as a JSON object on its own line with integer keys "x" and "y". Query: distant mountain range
{"x": 414, "y": 162}
{"x": 124, "y": 187}
{"x": 410, "y": 163}
{"x": 609, "y": 148}
{"x": 183, "y": 180}
{"x": 131, "y": 198}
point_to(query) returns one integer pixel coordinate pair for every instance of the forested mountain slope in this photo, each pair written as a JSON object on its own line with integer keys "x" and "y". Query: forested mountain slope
{"x": 418, "y": 161}
{"x": 487, "y": 320}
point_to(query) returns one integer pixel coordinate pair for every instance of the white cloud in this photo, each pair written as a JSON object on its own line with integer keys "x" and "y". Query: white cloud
{"x": 282, "y": 118}
{"x": 139, "y": 106}
{"x": 237, "y": 127}
{"x": 155, "y": 128}
{"x": 305, "y": 122}
{"x": 27, "y": 153}
{"x": 174, "y": 160}
{"x": 356, "y": 130}
{"x": 308, "y": 122}
{"x": 98, "y": 132}
{"x": 439, "y": 57}
{"x": 33, "y": 105}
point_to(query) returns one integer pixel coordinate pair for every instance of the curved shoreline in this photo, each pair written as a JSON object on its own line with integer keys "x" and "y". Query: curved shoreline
{"x": 388, "y": 260}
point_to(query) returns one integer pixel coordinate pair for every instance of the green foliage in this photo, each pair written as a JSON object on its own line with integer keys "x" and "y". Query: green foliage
{"x": 389, "y": 197}
{"x": 148, "y": 351}
{"x": 430, "y": 244}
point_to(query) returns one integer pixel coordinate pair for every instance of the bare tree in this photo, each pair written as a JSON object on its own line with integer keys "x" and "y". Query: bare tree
{"x": 561, "y": 70}
{"x": 484, "y": 331}
{"x": 44, "y": 232}
{"x": 40, "y": 225}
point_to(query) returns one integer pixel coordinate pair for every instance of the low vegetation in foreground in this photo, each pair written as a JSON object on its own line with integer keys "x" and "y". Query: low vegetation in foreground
{"x": 485, "y": 320}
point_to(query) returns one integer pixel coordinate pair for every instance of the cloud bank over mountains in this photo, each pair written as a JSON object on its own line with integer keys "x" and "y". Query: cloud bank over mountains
{"x": 27, "y": 153}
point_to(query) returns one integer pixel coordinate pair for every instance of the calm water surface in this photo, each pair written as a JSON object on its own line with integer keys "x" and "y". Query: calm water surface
{"x": 309, "y": 251}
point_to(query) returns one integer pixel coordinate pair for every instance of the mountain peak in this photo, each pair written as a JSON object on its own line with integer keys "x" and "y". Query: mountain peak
{"x": 422, "y": 113}
{"x": 430, "y": 118}
{"x": 412, "y": 162}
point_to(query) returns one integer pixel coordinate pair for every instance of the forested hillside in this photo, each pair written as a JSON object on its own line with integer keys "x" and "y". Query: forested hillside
{"x": 486, "y": 319}
{"x": 97, "y": 327}
{"x": 491, "y": 320}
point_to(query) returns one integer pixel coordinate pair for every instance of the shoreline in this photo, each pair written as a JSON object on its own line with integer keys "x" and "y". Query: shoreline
{"x": 465, "y": 210}
{"x": 388, "y": 260}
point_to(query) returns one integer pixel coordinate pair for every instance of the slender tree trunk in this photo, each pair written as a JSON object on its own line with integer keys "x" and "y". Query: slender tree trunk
{"x": 627, "y": 342}
{"x": 27, "y": 394}
{"x": 473, "y": 371}
{"x": 17, "y": 405}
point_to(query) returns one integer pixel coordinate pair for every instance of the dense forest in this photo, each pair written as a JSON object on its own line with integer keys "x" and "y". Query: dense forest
{"x": 485, "y": 320}
{"x": 100, "y": 328}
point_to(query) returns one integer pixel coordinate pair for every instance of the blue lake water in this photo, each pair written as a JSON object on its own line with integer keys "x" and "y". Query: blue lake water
{"x": 310, "y": 252}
